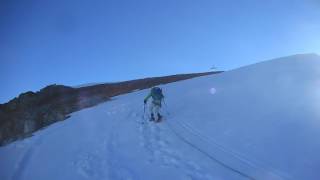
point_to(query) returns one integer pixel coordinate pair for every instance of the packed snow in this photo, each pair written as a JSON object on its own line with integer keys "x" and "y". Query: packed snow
{"x": 257, "y": 122}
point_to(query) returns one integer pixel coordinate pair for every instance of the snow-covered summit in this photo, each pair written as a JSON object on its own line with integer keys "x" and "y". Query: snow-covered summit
{"x": 257, "y": 122}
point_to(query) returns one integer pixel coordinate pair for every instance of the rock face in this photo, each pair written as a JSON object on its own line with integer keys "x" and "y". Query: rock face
{"x": 32, "y": 111}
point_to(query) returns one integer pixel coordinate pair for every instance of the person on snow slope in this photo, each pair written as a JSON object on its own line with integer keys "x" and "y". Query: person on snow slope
{"x": 157, "y": 97}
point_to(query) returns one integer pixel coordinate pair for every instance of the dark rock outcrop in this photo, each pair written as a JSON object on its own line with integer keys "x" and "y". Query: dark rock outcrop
{"x": 32, "y": 111}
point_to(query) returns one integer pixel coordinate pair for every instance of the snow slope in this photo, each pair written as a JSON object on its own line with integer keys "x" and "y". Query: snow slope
{"x": 257, "y": 122}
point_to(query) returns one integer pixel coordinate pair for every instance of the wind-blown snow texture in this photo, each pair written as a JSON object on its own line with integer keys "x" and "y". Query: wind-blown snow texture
{"x": 257, "y": 122}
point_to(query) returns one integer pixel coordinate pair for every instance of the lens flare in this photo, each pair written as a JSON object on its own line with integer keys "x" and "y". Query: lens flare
{"x": 213, "y": 90}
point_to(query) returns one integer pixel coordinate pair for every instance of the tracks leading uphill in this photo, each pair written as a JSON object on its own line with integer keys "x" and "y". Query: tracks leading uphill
{"x": 227, "y": 158}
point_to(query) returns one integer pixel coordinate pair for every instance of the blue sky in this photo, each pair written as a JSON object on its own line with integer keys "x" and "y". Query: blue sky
{"x": 74, "y": 42}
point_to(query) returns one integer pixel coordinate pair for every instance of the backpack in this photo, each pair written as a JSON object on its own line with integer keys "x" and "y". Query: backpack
{"x": 156, "y": 93}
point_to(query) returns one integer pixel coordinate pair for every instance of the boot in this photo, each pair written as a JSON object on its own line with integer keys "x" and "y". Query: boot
{"x": 159, "y": 117}
{"x": 152, "y": 117}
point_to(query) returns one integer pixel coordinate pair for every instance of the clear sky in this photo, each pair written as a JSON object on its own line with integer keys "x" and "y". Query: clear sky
{"x": 75, "y": 42}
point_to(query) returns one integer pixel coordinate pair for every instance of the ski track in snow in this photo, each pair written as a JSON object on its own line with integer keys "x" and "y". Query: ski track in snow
{"x": 21, "y": 166}
{"x": 117, "y": 170}
{"x": 103, "y": 163}
{"x": 90, "y": 164}
{"x": 153, "y": 138}
{"x": 254, "y": 166}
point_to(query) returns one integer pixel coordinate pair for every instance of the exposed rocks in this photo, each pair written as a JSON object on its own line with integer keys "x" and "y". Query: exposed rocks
{"x": 32, "y": 111}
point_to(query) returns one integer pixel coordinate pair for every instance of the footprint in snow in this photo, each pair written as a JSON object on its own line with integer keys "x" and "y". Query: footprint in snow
{"x": 154, "y": 139}
{"x": 89, "y": 166}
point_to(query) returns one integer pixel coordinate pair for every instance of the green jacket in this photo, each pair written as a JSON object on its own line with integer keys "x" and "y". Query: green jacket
{"x": 148, "y": 96}
{"x": 154, "y": 100}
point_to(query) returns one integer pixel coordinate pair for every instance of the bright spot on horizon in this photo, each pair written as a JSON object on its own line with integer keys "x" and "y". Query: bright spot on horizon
{"x": 213, "y": 91}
